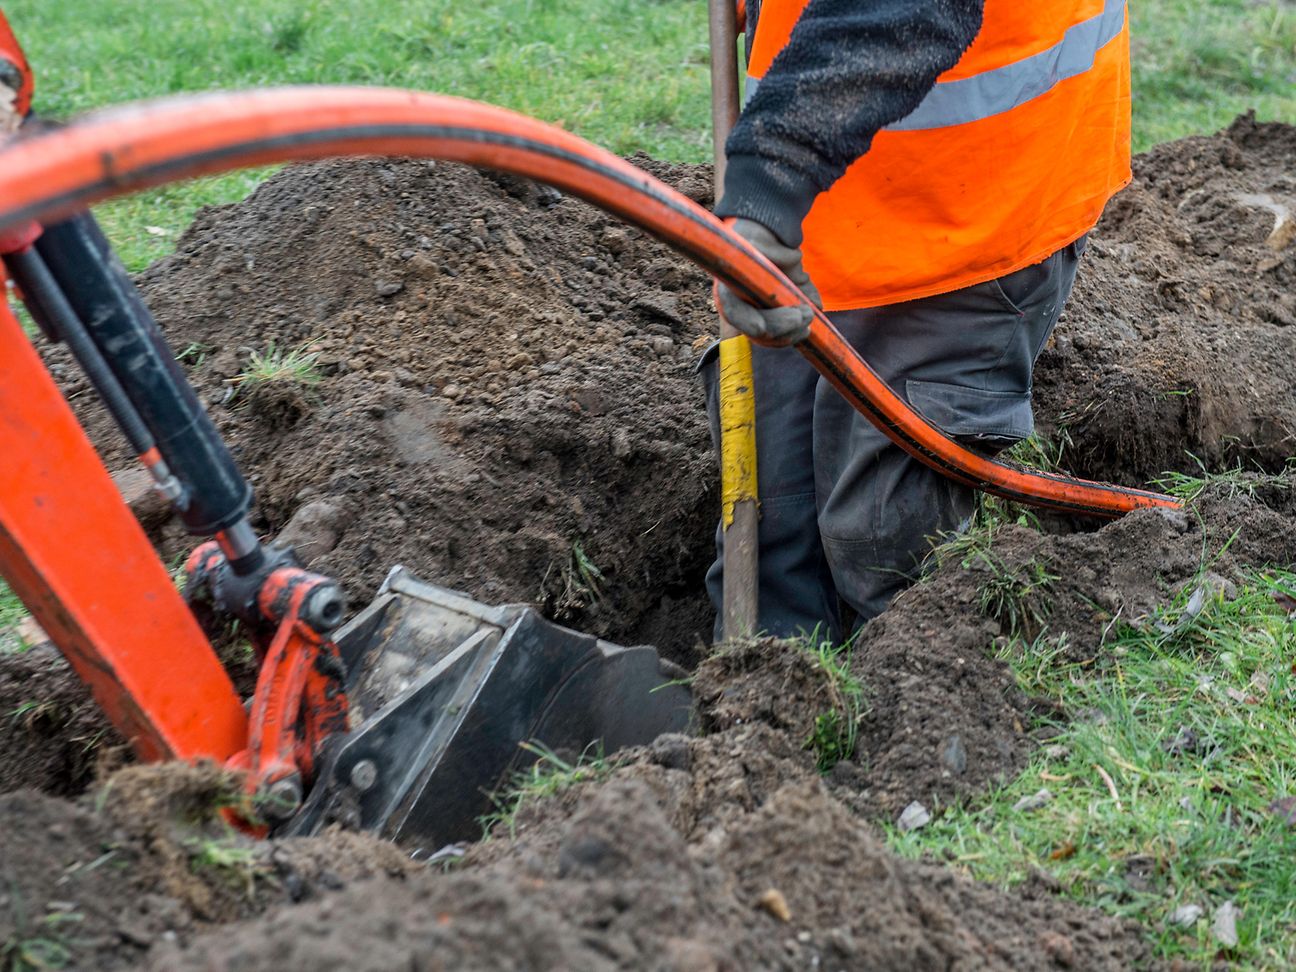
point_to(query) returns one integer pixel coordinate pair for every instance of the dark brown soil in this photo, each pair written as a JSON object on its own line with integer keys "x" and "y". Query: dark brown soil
{"x": 98, "y": 883}
{"x": 1180, "y": 334}
{"x": 505, "y": 398}
{"x": 52, "y": 735}
{"x": 639, "y": 872}
{"x": 507, "y": 384}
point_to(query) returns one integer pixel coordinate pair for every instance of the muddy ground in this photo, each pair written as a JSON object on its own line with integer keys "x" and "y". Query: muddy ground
{"x": 505, "y": 399}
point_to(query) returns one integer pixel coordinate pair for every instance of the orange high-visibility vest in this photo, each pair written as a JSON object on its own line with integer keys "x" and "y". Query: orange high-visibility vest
{"x": 1011, "y": 156}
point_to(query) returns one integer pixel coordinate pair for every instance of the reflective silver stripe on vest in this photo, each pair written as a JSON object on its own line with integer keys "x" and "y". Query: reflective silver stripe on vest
{"x": 993, "y": 92}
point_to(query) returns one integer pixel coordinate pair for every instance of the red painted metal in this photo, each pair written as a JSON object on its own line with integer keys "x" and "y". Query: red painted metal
{"x": 73, "y": 552}
{"x": 299, "y": 699}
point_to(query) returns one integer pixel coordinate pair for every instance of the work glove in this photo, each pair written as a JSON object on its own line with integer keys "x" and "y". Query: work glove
{"x": 784, "y": 325}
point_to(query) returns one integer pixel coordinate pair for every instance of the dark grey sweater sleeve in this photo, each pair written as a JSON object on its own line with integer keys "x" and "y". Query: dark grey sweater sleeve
{"x": 850, "y": 68}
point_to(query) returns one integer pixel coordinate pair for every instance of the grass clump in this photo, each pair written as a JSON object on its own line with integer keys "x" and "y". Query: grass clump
{"x": 548, "y": 775}
{"x": 40, "y": 945}
{"x": 1174, "y": 785}
{"x": 230, "y": 859}
{"x": 579, "y": 585}
{"x": 11, "y": 609}
{"x": 1019, "y": 598}
{"x": 296, "y": 366}
{"x": 1230, "y": 482}
{"x": 1037, "y": 454}
{"x": 836, "y": 729}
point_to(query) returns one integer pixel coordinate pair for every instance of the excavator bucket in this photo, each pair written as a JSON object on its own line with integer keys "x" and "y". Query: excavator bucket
{"x": 445, "y": 692}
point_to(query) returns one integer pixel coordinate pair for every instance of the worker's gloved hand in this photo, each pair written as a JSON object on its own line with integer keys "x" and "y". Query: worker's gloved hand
{"x": 784, "y": 324}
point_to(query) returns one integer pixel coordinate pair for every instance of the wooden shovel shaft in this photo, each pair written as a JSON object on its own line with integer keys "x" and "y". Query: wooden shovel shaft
{"x": 737, "y": 402}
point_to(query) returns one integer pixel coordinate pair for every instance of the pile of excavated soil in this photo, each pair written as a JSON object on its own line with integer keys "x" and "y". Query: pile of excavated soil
{"x": 730, "y": 851}
{"x": 98, "y": 883}
{"x": 723, "y": 852}
{"x": 506, "y": 404}
{"x": 945, "y": 718}
{"x": 1179, "y": 337}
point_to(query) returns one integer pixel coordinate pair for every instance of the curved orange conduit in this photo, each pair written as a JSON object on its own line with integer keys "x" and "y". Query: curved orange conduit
{"x": 48, "y": 175}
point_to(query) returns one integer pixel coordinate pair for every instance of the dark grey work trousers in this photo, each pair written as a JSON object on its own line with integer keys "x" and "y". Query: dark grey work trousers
{"x": 847, "y": 517}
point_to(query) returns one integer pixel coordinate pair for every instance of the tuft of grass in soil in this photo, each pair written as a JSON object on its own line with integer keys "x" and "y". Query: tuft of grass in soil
{"x": 1173, "y": 788}
{"x": 296, "y": 366}
{"x": 1018, "y": 597}
{"x": 579, "y": 585}
{"x": 1037, "y": 453}
{"x": 548, "y": 775}
{"x": 836, "y": 730}
{"x": 228, "y": 858}
{"x": 11, "y": 609}
{"x": 1232, "y": 482}
{"x": 628, "y": 76}
{"x": 37, "y": 944}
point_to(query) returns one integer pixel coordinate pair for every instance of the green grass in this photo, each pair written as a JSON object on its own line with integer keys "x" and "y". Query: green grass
{"x": 1230, "y": 482}
{"x": 548, "y": 775}
{"x": 628, "y": 75}
{"x": 296, "y": 366}
{"x": 836, "y": 729}
{"x": 1192, "y": 822}
{"x": 38, "y": 946}
{"x": 230, "y": 859}
{"x": 11, "y": 609}
{"x": 1198, "y": 64}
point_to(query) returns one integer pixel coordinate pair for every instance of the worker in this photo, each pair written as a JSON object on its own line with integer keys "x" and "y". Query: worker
{"x": 927, "y": 172}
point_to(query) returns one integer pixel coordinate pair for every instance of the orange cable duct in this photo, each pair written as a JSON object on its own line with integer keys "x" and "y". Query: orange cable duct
{"x": 45, "y": 175}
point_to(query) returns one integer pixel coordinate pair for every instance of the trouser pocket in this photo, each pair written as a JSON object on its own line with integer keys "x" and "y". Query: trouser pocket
{"x": 988, "y": 421}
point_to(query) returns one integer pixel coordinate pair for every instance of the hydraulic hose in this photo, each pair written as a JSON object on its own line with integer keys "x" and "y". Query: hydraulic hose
{"x": 47, "y": 176}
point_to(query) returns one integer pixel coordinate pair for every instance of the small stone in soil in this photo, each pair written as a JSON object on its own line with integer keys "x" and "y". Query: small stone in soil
{"x": 662, "y": 345}
{"x": 912, "y": 817}
{"x": 388, "y": 288}
{"x": 1033, "y": 802}
{"x": 772, "y": 901}
{"x": 671, "y": 751}
{"x": 1186, "y": 915}
{"x": 954, "y": 755}
{"x": 1224, "y": 925}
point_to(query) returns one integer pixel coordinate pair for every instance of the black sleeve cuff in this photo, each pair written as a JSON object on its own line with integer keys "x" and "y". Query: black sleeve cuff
{"x": 776, "y": 197}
